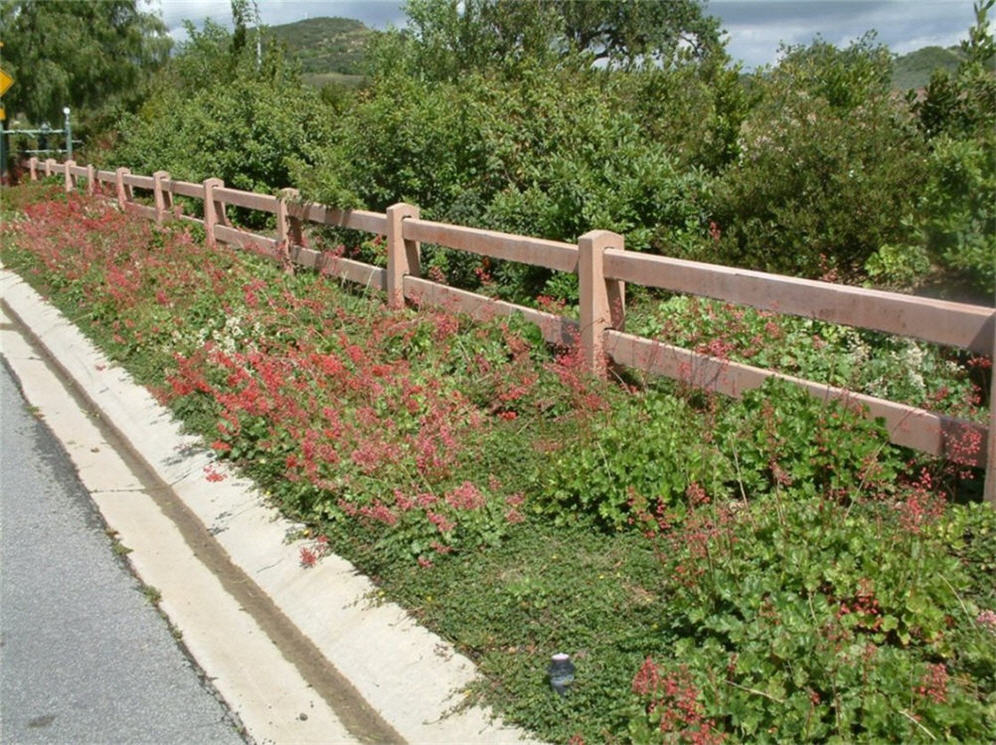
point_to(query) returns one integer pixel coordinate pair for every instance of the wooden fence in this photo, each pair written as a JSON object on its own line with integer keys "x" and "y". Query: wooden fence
{"x": 603, "y": 267}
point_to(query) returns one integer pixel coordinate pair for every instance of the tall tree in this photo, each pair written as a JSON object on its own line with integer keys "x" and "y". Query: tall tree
{"x": 661, "y": 32}
{"x": 92, "y": 56}
{"x": 451, "y": 37}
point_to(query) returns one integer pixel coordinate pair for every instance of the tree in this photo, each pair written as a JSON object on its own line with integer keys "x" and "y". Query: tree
{"x": 215, "y": 111}
{"x": 963, "y": 104}
{"x": 661, "y": 32}
{"x": 957, "y": 115}
{"x": 93, "y": 56}
{"x": 447, "y": 39}
{"x": 845, "y": 78}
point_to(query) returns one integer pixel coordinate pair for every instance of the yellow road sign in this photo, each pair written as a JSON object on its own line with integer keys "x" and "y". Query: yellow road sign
{"x": 5, "y": 82}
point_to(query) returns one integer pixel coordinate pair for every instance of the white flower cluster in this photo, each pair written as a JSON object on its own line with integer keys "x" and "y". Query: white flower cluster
{"x": 231, "y": 338}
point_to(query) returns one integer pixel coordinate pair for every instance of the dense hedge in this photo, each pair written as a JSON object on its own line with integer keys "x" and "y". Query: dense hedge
{"x": 813, "y": 167}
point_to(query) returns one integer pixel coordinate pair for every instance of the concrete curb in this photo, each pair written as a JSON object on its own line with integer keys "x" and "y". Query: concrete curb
{"x": 413, "y": 678}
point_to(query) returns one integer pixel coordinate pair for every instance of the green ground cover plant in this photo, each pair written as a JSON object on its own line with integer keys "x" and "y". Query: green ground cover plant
{"x": 762, "y": 570}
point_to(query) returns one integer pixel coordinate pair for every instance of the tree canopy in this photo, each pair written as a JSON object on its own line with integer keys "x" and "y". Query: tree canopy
{"x": 92, "y": 56}
{"x": 445, "y": 39}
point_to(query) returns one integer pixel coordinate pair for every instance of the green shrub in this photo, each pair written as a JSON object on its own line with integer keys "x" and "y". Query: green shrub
{"x": 553, "y": 153}
{"x": 959, "y": 209}
{"x": 829, "y": 168}
{"x": 780, "y": 436}
{"x": 957, "y": 114}
{"x": 899, "y": 268}
{"x": 896, "y": 368}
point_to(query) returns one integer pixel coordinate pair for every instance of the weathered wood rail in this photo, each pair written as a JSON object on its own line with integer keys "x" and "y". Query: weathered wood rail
{"x": 603, "y": 266}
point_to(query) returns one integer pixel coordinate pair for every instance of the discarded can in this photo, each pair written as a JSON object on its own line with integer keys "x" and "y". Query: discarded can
{"x": 561, "y": 673}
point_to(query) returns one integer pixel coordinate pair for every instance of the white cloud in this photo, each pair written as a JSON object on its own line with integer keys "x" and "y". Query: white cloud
{"x": 756, "y": 27}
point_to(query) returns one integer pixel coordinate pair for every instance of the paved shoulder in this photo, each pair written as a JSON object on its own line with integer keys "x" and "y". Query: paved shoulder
{"x": 86, "y": 658}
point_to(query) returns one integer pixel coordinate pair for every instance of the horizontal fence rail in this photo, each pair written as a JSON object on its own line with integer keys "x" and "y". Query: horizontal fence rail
{"x": 939, "y": 321}
{"x": 186, "y": 189}
{"x": 603, "y": 266}
{"x": 908, "y": 426}
{"x": 247, "y": 199}
{"x": 142, "y": 182}
{"x": 556, "y": 329}
{"x": 536, "y": 251}
{"x": 369, "y": 222}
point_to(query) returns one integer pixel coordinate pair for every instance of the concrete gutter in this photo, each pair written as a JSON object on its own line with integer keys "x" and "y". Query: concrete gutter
{"x": 386, "y": 678}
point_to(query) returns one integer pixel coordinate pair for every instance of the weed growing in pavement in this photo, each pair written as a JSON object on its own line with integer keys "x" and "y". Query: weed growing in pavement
{"x": 767, "y": 570}
{"x": 152, "y": 594}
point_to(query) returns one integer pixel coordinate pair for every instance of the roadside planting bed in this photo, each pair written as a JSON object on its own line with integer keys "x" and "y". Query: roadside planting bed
{"x": 762, "y": 570}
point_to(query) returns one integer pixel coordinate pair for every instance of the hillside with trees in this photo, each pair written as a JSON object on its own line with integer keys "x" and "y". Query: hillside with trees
{"x": 324, "y": 45}
{"x": 336, "y": 46}
{"x": 330, "y": 51}
{"x": 914, "y": 69}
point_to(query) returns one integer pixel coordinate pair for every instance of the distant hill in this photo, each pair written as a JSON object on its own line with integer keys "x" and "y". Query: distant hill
{"x": 913, "y": 70}
{"x": 325, "y": 45}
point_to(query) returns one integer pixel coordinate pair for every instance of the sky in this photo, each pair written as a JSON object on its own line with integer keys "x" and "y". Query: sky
{"x": 756, "y": 28}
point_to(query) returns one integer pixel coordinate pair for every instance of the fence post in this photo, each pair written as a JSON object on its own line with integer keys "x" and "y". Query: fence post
{"x": 601, "y": 302}
{"x": 67, "y": 169}
{"x": 163, "y": 198}
{"x": 91, "y": 178}
{"x": 123, "y": 189}
{"x": 33, "y": 167}
{"x": 49, "y": 165}
{"x": 989, "y": 491}
{"x": 288, "y": 228}
{"x": 402, "y": 255}
{"x": 214, "y": 211}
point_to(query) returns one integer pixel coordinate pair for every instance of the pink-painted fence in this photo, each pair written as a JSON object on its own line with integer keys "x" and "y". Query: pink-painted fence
{"x": 603, "y": 267}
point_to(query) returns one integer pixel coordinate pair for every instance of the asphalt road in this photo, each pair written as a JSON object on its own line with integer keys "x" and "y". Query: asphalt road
{"x": 85, "y": 658}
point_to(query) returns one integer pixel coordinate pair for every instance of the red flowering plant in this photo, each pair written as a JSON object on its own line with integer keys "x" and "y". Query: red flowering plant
{"x": 335, "y": 404}
{"x": 905, "y": 370}
{"x": 361, "y": 431}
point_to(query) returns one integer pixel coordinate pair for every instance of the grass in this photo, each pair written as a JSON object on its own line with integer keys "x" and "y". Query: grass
{"x": 768, "y": 570}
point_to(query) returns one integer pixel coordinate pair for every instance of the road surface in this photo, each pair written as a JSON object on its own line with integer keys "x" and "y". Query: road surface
{"x": 85, "y": 657}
